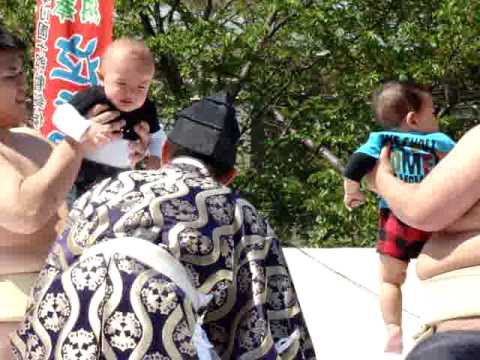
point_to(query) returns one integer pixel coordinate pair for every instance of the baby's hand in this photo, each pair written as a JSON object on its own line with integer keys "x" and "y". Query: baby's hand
{"x": 353, "y": 199}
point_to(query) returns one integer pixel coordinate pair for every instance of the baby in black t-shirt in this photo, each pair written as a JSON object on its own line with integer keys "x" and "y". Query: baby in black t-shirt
{"x": 126, "y": 70}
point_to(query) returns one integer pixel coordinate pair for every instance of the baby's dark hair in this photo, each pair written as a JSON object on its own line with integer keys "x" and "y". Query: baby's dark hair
{"x": 9, "y": 41}
{"x": 395, "y": 99}
{"x": 137, "y": 49}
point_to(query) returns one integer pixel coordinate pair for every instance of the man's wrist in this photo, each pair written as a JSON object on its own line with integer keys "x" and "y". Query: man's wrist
{"x": 75, "y": 145}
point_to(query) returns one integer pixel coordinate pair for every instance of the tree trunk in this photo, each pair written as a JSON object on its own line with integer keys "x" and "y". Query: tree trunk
{"x": 257, "y": 143}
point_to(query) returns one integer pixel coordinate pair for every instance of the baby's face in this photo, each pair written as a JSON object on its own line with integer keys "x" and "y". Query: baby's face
{"x": 126, "y": 83}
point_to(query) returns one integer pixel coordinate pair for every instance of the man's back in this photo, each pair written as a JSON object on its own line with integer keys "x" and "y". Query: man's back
{"x": 227, "y": 249}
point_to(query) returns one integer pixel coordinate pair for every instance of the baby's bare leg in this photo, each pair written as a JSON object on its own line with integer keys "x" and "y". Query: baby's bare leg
{"x": 6, "y": 328}
{"x": 392, "y": 276}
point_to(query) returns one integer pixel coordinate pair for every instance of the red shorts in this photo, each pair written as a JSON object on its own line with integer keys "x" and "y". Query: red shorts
{"x": 398, "y": 239}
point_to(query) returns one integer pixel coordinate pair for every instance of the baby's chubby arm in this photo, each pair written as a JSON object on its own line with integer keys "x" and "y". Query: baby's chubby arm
{"x": 358, "y": 165}
{"x": 353, "y": 196}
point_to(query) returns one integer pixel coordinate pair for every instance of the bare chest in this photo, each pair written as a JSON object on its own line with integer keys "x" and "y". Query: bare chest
{"x": 25, "y": 252}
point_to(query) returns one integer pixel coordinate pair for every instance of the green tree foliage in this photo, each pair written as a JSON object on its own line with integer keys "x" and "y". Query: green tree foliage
{"x": 303, "y": 69}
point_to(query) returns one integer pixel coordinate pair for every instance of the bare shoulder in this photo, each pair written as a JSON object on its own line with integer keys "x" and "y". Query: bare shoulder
{"x": 29, "y": 133}
{"x": 31, "y": 144}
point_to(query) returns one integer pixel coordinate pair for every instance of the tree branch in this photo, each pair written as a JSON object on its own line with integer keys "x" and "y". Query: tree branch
{"x": 168, "y": 64}
{"x": 186, "y": 16}
{"x": 237, "y": 86}
{"x": 172, "y": 10}
{"x": 273, "y": 26}
{"x": 169, "y": 68}
{"x": 229, "y": 19}
{"x": 155, "y": 14}
{"x": 294, "y": 72}
{"x": 309, "y": 144}
{"x": 158, "y": 18}
{"x": 227, "y": 5}
{"x": 325, "y": 153}
{"x": 208, "y": 10}
{"x": 147, "y": 25}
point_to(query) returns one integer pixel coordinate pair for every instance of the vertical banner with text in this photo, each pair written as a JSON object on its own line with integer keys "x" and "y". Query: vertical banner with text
{"x": 70, "y": 37}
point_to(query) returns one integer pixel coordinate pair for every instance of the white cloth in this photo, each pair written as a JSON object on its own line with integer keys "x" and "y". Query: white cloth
{"x": 158, "y": 258}
{"x": 451, "y": 295}
{"x": 70, "y": 122}
{"x": 14, "y": 294}
{"x": 115, "y": 153}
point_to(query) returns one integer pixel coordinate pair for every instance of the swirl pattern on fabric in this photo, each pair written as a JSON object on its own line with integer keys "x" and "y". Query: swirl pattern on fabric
{"x": 104, "y": 295}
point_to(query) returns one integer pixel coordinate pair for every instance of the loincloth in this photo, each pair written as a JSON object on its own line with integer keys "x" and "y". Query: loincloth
{"x": 15, "y": 290}
{"x": 452, "y": 295}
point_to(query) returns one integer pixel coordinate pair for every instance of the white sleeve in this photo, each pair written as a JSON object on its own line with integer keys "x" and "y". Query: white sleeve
{"x": 156, "y": 143}
{"x": 69, "y": 121}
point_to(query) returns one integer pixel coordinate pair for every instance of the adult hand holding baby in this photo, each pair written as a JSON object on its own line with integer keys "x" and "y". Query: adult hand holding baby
{"x": 104, "y": 126}
{"x": 383, "y": 169}
{"x": 138, "y": 149}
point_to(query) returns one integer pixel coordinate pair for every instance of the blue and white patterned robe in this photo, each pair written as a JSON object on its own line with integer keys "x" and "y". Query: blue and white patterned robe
{"x": 151, "y": 264}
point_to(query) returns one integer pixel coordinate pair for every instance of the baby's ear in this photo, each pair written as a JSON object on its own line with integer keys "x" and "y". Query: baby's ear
{"x": 411, "y": 120}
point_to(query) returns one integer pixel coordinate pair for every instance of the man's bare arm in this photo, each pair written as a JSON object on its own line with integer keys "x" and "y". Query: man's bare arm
{"x": 28, "y": 202}
{"x": 467, "y": 222}
{"x": 447, "y": 193}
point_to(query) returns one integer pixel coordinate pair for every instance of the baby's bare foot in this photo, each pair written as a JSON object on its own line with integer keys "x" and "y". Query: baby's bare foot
{"x": 394, "y": 342}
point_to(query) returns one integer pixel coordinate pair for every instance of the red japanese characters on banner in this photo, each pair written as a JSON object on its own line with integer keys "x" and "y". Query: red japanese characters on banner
{"x": 70, "y": 37}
